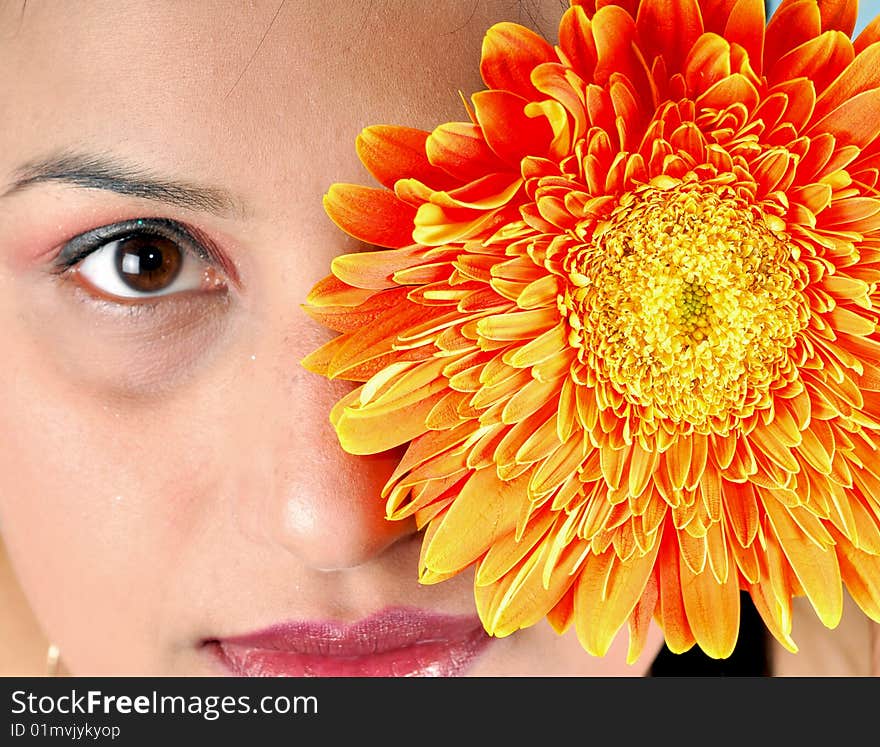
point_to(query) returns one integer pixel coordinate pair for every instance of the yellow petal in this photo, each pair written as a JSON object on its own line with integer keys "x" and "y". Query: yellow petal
{"x": 640, "y": 620}
{"x": 507, "y": 551}
{"x": 527, "y": 599}
{"x": 485, "y": 510}
{"x": 862, "y": 574}
{"x": 606, "y": 594}
{"x": 712, "y": 610}
{"x": 817, "y": 570}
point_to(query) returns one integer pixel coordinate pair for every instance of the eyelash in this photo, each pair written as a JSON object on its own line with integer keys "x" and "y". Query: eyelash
{"x": 192, "y": 244}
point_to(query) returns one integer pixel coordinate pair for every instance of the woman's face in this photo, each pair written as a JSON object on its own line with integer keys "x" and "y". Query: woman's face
{"x": 168, "y": 476}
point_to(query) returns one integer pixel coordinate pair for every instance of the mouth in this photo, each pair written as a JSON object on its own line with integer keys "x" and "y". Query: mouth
{"x": 395, "y": 642}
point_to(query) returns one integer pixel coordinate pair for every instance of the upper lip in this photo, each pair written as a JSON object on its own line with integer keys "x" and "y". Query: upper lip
{"x": 393, "y": 641}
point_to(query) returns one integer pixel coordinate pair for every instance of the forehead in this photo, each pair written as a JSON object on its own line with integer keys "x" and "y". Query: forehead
{"x": 180, "y": 84}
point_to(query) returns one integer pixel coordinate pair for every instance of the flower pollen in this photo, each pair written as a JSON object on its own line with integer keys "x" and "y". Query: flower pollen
{"x": 686, "y": 302}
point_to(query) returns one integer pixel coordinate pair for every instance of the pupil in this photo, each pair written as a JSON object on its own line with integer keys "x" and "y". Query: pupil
{"x": 150, "y": 259}
{"x": 148, "y": 263}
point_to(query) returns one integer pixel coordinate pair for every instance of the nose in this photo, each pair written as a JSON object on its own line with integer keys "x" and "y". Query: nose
{"x": 299, "y": 490}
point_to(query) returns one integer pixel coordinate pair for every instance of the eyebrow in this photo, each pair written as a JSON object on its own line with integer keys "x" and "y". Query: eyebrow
{"x": 110, "y": 174}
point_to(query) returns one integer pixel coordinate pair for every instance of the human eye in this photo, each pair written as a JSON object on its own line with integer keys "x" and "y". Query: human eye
{"x": 141, "y": 259}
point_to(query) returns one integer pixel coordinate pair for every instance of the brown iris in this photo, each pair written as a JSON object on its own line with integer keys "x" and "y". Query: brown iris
{"x": 148, "y": 263}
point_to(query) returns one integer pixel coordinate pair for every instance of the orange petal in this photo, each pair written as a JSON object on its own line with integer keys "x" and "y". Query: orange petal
{"x": 839, "y": 14}
{"x": 861, "y": 571}
{"x": 527, "y": 599}
{"x": 606, "y": 594}
{"x": 698, "y": 460}
{"x": 487, "y": 192}
{"x": 820, "y": 59}
{"x": 332, "y": 292}
{"x": 801, "y": 99}
{"x": 693, "y": 550}
{"x": 614, "y": 31}
{"x": 762, "y": 441}
{"x": 851, "y": 210}
{"x": 852, "y": 322}
{"x": 854, "y": 122}
{"x": 376, "y": 216}
{"x": 558, "y": 466}
{"x": 741, "y": 507}
{"x": 867, "y": 529}
{"x": 460, "y": 149}
{"x": 562, "y": 84}
{"x": 376, "y": 337}
{"x": 426, "y": 576}
{"x": 746, "y": 26}
{"x": 716, "y": 14}
{"x": 577, "y": 43}
{"x": 817, "y": 570}
{"x": 707, "y": 63}
{"x": 640, "y": 620}
{"x": 668, "y": 28}
{"x": 746, "y": 561}
{"x": 642, "y": 466}
{"x": 776, "y": 615}
{"x": 373, "y": 270}
{"x": 862, "y": 75}
{"x": 614, "y": 463}
{"x": 510, "y": 53}
{"x": 679, "y": 637}
{"x": 723, "y": 450}
{"x": 712, "y": 610}
{"x": 735, "y": 87}
{"x": 424, "y": 448}
{"x": 485, "y": 510}
{"x": 324, "y": 361}
{"x": 519, "y": 325}
{"x": 791, "y": 25}
{"x": 508, "y": 131}
{"x": 711, "y": 492}
{"x": 562, "y": 615}
{"x": 717, "y": 552}
{"x": 678, "y": 461}
{"x": 435, "y": 226}
{"x": 869, "y": 35}
{"x": 540, "y": 292}
{"x": 529, "y": 400}
{"x": 391, "y": 153}
{"x": 627, "y": 108}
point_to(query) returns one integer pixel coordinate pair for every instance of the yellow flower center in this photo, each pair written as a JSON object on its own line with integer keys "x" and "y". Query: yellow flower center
{"x": 685, "y": 302}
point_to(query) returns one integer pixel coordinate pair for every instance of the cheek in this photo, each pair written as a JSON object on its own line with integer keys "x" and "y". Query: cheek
{"x": 95, "y": 504}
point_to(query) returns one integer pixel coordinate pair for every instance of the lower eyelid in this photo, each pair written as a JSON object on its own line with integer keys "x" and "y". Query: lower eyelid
{"x": 188, "y": 304}
{"x": 127, "y": 306}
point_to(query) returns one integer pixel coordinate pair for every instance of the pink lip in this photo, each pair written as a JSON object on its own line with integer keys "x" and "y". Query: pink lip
{"x": 396, "y": 642}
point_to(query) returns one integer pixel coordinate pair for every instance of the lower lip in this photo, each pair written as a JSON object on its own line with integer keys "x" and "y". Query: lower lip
{"x": 397, "y": 642}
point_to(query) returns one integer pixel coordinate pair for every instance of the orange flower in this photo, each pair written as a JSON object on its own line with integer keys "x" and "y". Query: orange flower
{"x": 627, "y": 320}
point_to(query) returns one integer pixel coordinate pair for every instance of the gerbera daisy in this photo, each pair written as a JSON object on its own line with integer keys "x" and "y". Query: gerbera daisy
{"x": 626, "y": 318}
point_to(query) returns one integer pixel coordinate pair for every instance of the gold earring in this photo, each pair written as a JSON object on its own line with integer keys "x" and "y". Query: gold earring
{"x": 53, "y": 656}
